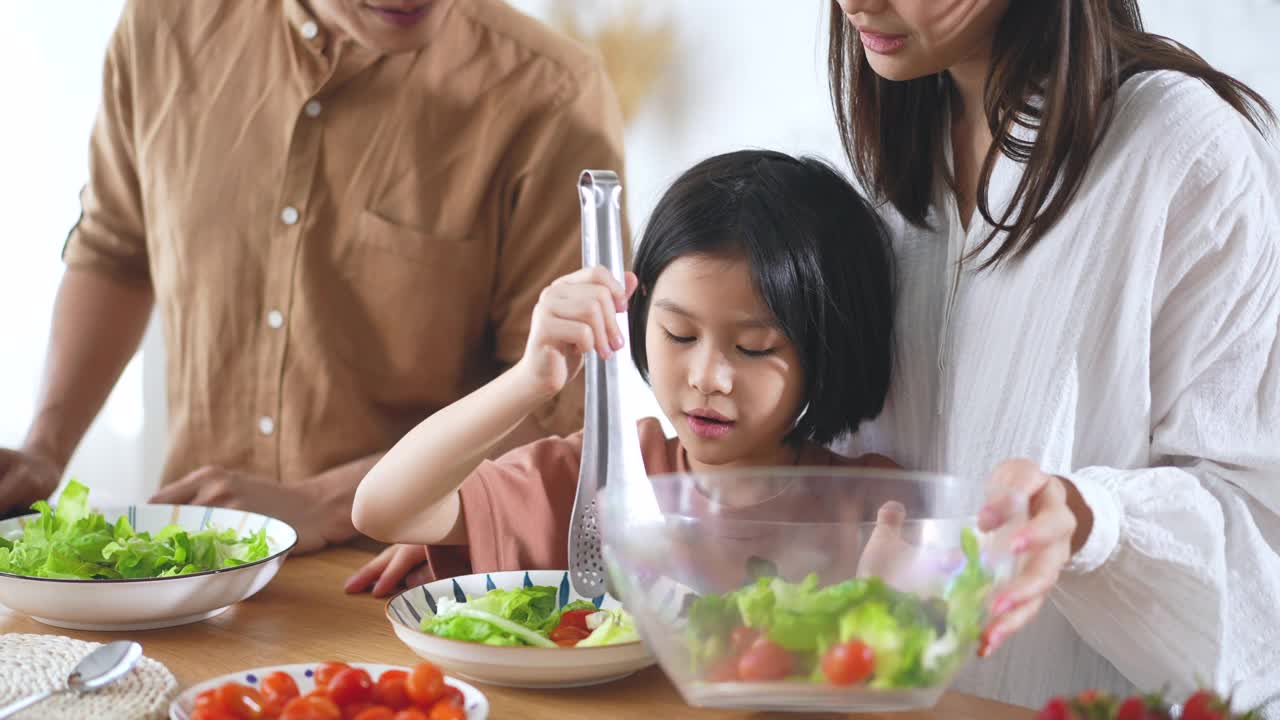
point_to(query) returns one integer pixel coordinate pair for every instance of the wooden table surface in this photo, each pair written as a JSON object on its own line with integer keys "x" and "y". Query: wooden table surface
{"x": 303, "y": 616}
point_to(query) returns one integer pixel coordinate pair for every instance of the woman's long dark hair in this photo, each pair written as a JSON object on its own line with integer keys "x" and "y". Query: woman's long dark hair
{"x": 1072, "y": 54}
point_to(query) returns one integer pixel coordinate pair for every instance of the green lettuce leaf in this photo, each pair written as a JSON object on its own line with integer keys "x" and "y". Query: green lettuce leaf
{"x": 615, "y": 627}
{"x": 74, "y": 542}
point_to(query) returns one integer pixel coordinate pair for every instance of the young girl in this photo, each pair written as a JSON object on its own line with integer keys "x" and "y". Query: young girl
{"x": 760, "y": 313}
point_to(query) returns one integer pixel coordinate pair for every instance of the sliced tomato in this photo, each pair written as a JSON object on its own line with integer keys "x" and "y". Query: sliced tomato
{"x": 411, "y": 714}
{"x": 377, "y": 712}
{"x": 568, "y": 636}
{"x": 575, "y": 618}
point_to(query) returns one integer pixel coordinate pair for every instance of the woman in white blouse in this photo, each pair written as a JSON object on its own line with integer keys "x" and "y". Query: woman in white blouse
{"x": 1089, "y": 275}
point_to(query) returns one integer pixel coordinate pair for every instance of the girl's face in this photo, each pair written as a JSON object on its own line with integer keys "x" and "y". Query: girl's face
{"x": 909, "y": 39}
{"x": 723, "y": 372}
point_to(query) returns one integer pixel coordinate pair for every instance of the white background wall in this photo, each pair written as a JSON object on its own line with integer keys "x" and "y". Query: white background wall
{"x": 747, "y": 73}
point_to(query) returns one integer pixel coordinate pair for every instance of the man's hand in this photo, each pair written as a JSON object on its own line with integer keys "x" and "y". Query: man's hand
{"x": 297, "y": 505}
{"x": 25, "y": 477}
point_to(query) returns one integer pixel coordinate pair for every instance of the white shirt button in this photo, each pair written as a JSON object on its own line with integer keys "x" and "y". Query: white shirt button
{"x": 275, "y": 319}
{"x": 289, "y": 215}
{"x": 266, "y": 425}
{"x": 310, "y": 30}
{"x": 312, "y": 109}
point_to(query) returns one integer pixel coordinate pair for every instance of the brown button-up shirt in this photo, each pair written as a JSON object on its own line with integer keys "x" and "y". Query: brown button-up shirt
{"x": 339, "y": 242}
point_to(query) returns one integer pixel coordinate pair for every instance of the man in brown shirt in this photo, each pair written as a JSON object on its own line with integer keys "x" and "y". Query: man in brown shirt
{"x": 344, "y": 212}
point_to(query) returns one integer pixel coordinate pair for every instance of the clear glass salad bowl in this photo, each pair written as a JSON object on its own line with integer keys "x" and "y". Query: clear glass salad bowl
{"x": 850, "y": 590}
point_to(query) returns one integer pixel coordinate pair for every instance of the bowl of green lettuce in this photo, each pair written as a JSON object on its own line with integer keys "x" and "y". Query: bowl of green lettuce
{"x": 805, "y": 589}
{"x": 134, "y": 567}
{"x": 519, "y": 629}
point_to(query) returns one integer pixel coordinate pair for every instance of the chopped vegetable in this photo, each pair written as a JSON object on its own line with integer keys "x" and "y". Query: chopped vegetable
{"x": 529, "y": 616}
{"x": 856, "y": 631}
{"x": 73, "y": 542}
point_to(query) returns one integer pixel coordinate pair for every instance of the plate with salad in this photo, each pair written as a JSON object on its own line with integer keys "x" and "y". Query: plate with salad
{"x": 135, "y": 567}
{"x": 519, "y": 629}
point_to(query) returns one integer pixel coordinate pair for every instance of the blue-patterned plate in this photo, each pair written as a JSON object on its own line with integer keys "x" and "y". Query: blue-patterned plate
{"x": 511, "y": 666}
{"x": 476, "y": 703}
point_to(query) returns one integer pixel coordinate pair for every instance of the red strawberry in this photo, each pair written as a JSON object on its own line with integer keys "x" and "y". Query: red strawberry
{"x": 1132, "y": 709}
{"x": 1056, "y": 709}
{"x": 1150, "y": 707}
{"x": 1088, "y": 697}
{"x": 1204, "y": 705}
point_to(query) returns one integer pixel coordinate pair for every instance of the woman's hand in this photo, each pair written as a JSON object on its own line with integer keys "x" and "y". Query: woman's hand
{"x": 1058, "y": 523}
{"x": 575, "y": 315}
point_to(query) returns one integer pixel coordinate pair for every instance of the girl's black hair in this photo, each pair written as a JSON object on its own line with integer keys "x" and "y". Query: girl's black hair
{"x": 819, "y": 257}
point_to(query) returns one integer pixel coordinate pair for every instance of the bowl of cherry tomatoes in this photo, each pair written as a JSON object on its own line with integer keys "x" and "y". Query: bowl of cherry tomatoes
{"x": 332, "y": 691}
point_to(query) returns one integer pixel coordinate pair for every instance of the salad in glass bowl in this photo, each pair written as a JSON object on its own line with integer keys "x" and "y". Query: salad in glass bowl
{"x": 849, "y": 590}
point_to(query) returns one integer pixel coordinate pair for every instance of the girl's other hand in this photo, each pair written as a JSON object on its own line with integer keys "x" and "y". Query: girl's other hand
{"x": 576, "y": 314}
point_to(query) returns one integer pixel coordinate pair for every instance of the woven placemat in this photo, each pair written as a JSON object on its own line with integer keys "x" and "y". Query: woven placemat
{"x": 33, "y": 663}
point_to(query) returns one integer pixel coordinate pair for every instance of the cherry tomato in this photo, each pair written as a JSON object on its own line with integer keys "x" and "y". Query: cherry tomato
{"x": 741, "y": 639}
{"x": 211, "y": 712}
{"x": 425, "y": 685}
{"x": 311, "y": 707}
{"x": 242, "y": 702}
{"x": 568, "y": 636}
{"x": 208, "y": 699}
{"x": 764, "y": 660}
{"x": 726, "y": 670}
{"x": 390, "y": 690}
{"x": 279, "y": 686}
{"x": 326, "y": 670}
{"x": 848, "y": 663}
{"x": 453, "y": 695}
{"x": 352, "y": 686}
{"x": 575, "y": 618}
{"x": 349, "y": 712}
{"x": 272, "y": 707}
{"x": 377, "y": 712}
{"x": 411, "y": 714}
{"x": 447, "y": 711}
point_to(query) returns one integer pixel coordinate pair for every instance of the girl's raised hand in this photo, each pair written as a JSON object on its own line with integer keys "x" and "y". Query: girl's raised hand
{"x": 575, "y": 314}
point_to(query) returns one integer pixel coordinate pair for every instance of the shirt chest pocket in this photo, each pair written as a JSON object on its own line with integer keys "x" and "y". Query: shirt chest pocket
{"x": 407, "y": 307}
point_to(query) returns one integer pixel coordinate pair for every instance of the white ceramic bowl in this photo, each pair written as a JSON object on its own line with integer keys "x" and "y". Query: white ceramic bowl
{"x": 476, "y": 704}
{"x": 147, "y": 603}
{"x": 511, "y": 666}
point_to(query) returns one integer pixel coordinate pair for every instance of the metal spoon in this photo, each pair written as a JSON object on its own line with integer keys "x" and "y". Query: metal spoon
{"x": 98, "y": 669}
